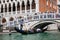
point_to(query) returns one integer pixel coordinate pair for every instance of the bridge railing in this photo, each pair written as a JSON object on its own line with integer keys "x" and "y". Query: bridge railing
{"x": 44, "y": 16}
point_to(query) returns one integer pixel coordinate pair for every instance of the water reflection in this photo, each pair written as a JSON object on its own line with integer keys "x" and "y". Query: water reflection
{"x": 18, "y": 37}
{"x": 38, "y": 36}
{"x": 1, "y": 37}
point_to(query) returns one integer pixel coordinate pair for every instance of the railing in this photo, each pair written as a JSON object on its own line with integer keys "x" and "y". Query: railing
{"x": 43, "y": 16}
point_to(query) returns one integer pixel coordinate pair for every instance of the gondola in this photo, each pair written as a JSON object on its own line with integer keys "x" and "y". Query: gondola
{"x": 32, "y": 31}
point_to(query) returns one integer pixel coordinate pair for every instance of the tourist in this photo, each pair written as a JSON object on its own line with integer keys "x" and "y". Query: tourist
{"x": 21, "y": 23}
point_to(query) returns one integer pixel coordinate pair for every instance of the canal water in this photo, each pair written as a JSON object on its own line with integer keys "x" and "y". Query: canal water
{"x": 39, "y": 36}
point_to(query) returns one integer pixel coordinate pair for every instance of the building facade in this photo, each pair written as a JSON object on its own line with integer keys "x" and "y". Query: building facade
{"x": 48, "y": 5}
{"x": 12, "y": 10}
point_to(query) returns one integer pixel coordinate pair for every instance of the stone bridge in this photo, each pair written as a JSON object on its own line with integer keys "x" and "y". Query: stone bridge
{"x": 43, "y": 23}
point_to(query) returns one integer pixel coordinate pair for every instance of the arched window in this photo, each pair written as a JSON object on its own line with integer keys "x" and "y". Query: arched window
{"x": 0, "y": 1}
{"x": 3, "y": 20}
{"x": 33, "y": 4}
{"x": 1, "y": 8}
{"x": 3, "y": 1}
{"x": 28, "y": 5}
{"x": 18, "y": 6}
{"x": 11, "y": 19}
{"x": 14, "y": 7}
{"x": 5, "y": 7}
{"x": 7, "y": 0}
{"x": 9, "y": 7}
{"x": 11, "y": 0}
{"x": 23, "y": 6}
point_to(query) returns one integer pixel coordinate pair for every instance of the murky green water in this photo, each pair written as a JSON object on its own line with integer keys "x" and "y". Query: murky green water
{"x": 39, "y": 36}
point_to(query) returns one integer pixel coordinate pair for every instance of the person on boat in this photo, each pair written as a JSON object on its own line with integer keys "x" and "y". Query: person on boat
{"x": 21, "y": 24}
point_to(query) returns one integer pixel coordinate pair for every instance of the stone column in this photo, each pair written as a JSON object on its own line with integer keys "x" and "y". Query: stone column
{"x": 16, "y": 6}
{"x": 20, "y": 7}
{"x": 7, "y": 8}
{"x": 37, "y": 5}
{"x": 30, "y": 6}
{"x": 4, "y": 9}
{"x": 25, "y": 6}
{"x": 2, "y": 1}
{"x": 5, "y": 1}
{"x": 58, "y": 9}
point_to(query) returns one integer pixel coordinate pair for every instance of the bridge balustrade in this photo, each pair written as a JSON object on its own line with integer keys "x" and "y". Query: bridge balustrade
{"x": 44, "y": 16}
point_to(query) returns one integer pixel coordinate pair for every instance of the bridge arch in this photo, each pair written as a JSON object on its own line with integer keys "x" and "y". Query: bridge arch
{"x": 4, "y": 20}
{"x": 42, "y": 24}
{"x": 11, "y": 19}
